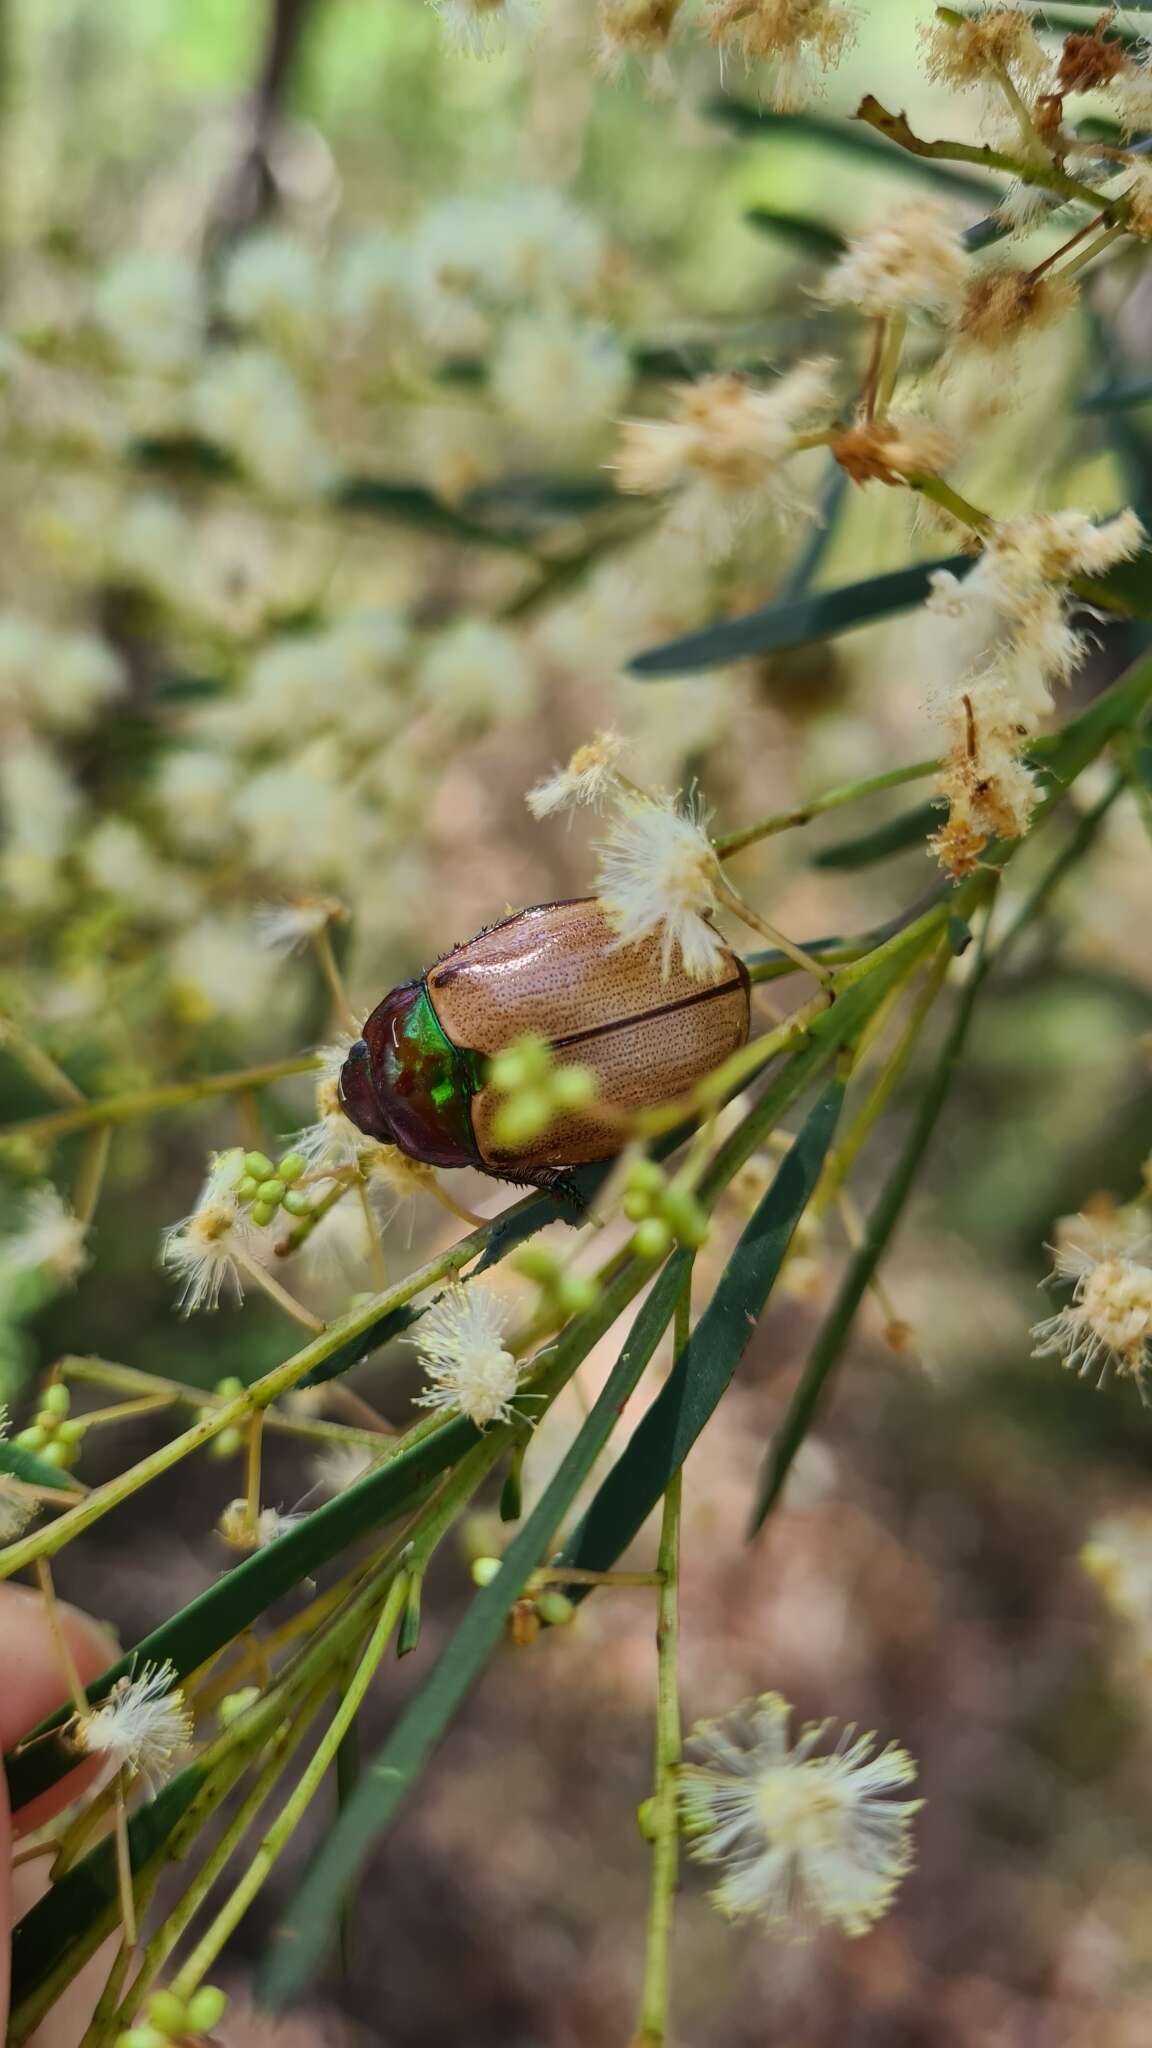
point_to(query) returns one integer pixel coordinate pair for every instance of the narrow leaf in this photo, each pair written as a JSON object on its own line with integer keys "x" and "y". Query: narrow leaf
{"x": 1127, "y": 588}
{"x": 820, "y": 615}
{"x": 813, "y": 237}
{"x": 24, "y": 1465}
{"x": 411, "y": 505}
{"x": 708, "y": 1362}
{"x": 238, "y": 1599}
{"x": 83, "y": 1906}
{"x": 764, "y": 124}
{"x": 1114, "y": 398}
{"x": 895, "y": 835}
{"x": 829, "y": 1346}
{"x": 306, "y": 1928}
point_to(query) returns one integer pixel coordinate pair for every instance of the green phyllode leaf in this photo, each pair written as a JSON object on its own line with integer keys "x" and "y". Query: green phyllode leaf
{"x": 765, "y": 124}
{"x": 818, "y": 615}
{"x": 823, "y": 614}
{"x": 30, "y": 1470}
{"x": 709, "y": 1360}
{"x": 309, "y": 1922}
{"x": 83, "y": 1906}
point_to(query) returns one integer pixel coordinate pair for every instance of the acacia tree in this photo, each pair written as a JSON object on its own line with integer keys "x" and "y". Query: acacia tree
{"x": 295, "y": 748}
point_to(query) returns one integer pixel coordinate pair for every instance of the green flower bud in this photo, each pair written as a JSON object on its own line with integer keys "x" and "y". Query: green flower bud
{"x": 143, "y": 2037}
{"x": 646, "y": 1174}
{"x": 537, "y": 1262}
{"x": 646, "y": 1819}
{"x": 234, "y": 1704}
{"x": 167, "y": 2012}
{"x": 272, "y": 1192}
{"x": 57, "y": 1454}
{"x": 522, "y": 1118}
{"x": 484, "y": 1570}
{"x": 31, "y": 1438}
{"x": 573, "y": 1087}
{"x": 229, "y": 1387}
{"x": 262, "y": 1213}
{"x": 258, "y": 1165}
{"x": 555, "y": 1608}
{"x": 653, "y": 1239}
{"x": 291, "y": 1166}
{"x": 56, "y": 1399}
{"x": 206, "y": 2008}
{"x": 637, "y": 1204}
{"x": 246, "y": 1188}
{"x": 72, "y": 1432}
{"x": 687, "y": 1218}
{"x": 298, "y": 1202}
{"x": 576, "y": 1292}
{"x": 226, "y": 1444}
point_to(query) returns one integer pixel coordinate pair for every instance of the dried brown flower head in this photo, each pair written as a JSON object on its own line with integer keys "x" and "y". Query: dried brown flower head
{"x": 1089, "y": 61}
{"x": 1000, "y": 305}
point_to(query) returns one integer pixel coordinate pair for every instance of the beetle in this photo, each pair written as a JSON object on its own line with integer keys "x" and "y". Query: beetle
{"x": 417, "y": 1077}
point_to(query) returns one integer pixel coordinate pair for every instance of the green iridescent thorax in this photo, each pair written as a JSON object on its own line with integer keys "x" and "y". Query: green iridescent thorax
{"x": 423, "y": 1084}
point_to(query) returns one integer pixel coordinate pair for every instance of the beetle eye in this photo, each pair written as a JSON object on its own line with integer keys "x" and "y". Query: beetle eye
{"x": 358, "y": 1096}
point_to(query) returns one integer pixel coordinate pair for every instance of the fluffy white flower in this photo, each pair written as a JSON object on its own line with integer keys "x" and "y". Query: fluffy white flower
{"x": 79, "y": 675}
{"x": 479, "y": 672}
{"x": 49, "y": 1238}
{"x": 272, "y": 287}
{"x": 16, "y": 1514}
{"x": 23, "y": 645}
{"x": 149, "y": 306}
{"x": 729, "y": 450}
{"x": 1130, "y": 96}
{"x": 193, "y": 790}
{"x": 804, "y": 1837}
{"x": 241, "y": 1533}
{"x": 153, "y": 545}
{"x": 299, "y": 819}
{"x": 336, "y": 1466}
{"x": 1107, "y": 1325}
{"x": 484, "y": 26}
{"x": 915, "y": 260}
{"x": 543, "y": 247}
{"x": 455, "y": 448}
{"x": 39, "y": 809}
{"x": 1118, "y": 1555}
{"x": 657, "y": 873}
{"x": 588, "y": 778}
{"x": 333, "y": 1140}
{"x": 218, "y": 972}
{"x": 16, "y": 1511}
{"x": 119, "y": 860}
{"x": 471, "y": 1370}
{"x": 1008, "y": 621}
{"x": 207, "y": 1250}
{"x": 59, "y": 680}
{"x": 288, "y": 927}
{"x": 249, "y": 404}
{"x": 801, "y": 38}
{"x": 144, "y": 1725}
{"x": 453, "y": 256}
{"x": 563, "y": 381}
{"x": 372, "y": 292}
{"x": 635, "y": 28}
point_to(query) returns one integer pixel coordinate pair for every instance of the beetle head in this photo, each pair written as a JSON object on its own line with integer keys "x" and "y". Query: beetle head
{"x": 404, "y": 1083}
{"x": 358, "y": 1096}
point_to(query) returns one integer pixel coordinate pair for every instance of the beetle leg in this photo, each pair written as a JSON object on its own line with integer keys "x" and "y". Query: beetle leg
{"x": 551, "y": 1180}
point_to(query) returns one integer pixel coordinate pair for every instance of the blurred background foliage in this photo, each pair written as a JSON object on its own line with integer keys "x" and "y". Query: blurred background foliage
{"x": 923, "y": 1577}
